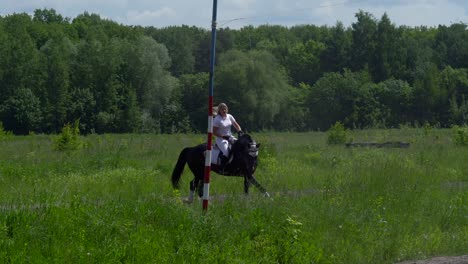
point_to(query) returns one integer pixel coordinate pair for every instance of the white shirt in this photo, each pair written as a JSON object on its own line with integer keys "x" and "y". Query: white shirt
{"x": 224, "y": 124}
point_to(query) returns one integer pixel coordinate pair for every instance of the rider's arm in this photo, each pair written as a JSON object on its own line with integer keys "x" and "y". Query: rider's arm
{"x": 236, "y": 126}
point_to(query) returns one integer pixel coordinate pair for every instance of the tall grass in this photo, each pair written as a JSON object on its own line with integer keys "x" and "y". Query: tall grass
{"x": 112, "y": 201}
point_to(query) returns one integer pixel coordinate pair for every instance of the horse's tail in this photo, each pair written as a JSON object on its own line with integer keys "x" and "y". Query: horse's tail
{"x": 179, "y": 168}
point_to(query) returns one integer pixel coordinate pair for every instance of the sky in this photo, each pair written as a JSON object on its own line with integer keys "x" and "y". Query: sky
{"x": 236, "y": 14}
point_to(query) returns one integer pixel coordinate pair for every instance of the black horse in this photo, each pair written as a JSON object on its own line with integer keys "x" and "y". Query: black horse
{"x": 243, "y": 162}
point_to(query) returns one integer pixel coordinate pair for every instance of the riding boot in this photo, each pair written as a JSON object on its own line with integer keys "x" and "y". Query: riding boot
{"x": 224, "y": 161}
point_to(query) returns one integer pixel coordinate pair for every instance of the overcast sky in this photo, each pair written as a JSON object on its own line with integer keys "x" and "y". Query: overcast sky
{"x": 239, "y": 13}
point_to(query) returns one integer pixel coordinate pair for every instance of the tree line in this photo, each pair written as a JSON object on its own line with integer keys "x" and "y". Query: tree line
{"x": 123, "y": 79}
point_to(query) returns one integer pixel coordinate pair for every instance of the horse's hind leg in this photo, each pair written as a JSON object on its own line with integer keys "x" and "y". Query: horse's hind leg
{"x": 192, "y": 191}
{"x": 198, "y": 181}
{"x": 200, "y": 188}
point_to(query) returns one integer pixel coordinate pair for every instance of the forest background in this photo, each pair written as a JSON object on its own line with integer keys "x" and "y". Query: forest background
{"x": 125, "y": 79}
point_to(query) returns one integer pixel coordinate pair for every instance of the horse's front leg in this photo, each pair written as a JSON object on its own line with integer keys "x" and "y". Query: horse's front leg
{"x": 246, "y": 185}
{"x": 254, "y": 181}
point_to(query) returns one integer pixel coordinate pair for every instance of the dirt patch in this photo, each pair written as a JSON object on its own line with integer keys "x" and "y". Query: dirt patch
{"x": 439, "y": 260}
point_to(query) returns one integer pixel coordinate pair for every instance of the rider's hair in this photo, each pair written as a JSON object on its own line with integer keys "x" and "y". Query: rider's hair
{"x": 222, "y": 105}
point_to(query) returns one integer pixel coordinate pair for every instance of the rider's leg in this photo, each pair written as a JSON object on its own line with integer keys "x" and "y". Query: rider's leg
{"x": 223, "y": 145}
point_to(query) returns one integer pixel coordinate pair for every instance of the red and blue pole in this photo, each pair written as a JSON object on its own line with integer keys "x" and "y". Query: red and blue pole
{"x": 206, "y": 185}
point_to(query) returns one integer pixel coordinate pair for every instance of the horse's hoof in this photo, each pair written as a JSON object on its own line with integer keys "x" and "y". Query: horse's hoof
{"x": 188, "y": 201}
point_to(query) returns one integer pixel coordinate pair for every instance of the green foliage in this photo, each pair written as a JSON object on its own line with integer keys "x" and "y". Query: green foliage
{"x": 253, "y": 85}
{"x": 120, "y": 79}
{"x": 427, "y": 128}
{"x": 460, "y": 135}
{"x": 69, "y": 139}
{"x": 303, "y": 61}
{"x": 336, "y": 97}
{"x": 4, "y": 134}
{"x": 21, "y": 112}
{"x": 194, "y": 86}
{"x": 337, "y": 134}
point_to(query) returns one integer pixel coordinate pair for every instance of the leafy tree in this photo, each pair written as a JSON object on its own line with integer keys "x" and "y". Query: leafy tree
{"x": 82, "y": 107}
{"x": 48, "y": 16}
{"x": 363, "y": 45}
{"x": 304, "y": 62}
{"x": 55, "y": 56}
{"x": 388, "y": 56}
{"x": 394, "y": 98}
{"x": 338, "y": 97}
{"x": 293, "y": 114}
{"x": 180, "y": 42}
{"x": 417, "y": 50}
{"x": 428, "y": 96}
{"x": 148, "y": 64}
{"x": 129, "y": 115}
{"x": 336, "y": 55}
{"x": 455, "y": 83}
{"x": 194, "y": 98}
{"x": 451, "y": 45}
{"x": 21, "y": 112}
{"x": 20, "y": 58}
{"x": 252, "y": 84}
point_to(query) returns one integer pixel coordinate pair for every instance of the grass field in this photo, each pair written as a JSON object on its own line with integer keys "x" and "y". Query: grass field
{"x": 112, "y": 201}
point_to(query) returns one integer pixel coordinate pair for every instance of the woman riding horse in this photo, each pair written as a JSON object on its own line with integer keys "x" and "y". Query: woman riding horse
{"x": 243, "y": 164}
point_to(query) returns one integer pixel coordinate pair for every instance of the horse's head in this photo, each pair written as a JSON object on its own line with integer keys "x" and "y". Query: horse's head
{"x": 246, "y": 145}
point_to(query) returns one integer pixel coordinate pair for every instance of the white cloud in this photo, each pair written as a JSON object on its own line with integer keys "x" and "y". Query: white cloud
{"x": 146, "y": 17}
{"x": 431, "y": 13}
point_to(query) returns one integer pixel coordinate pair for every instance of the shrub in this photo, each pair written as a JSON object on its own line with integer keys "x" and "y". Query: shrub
{"x": 4, "y": 134}
{"x": 460, "y": 135}
{"x": 69, "y": 138}
{"x": 337, "y": 134}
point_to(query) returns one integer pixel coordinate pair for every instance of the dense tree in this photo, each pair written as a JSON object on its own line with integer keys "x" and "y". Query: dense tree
{"x": 394, "y": 97}
{"x": 194, "y": 99}
{"x": 451, "y": 45}
{"x": 339, "y": 97}
{"x": 48, "y": 16}
{"x": 455, "y": 83}
{"x": 21, "y": 112}
{"x": 148, "y": 64}
{"x": 335, "y": 57}
{"x": 180, "y": 43}
{"x": 388, "y": 57}
{"x": 363, "y": 46}
{"x": 56, "y": 54}
{"x": 303, "y": 62}
{"x": 20, "y": 57}
{"x": 116, "y": 78}
{"x": 252, "y": 84}
{"x": 428, "y": 96}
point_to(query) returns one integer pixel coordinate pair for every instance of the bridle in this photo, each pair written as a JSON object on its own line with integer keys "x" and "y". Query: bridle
{"x": 253, "y": 149}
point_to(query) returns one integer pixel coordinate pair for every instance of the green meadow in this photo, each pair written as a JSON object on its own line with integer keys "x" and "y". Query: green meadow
{"x": 111, "y": 201}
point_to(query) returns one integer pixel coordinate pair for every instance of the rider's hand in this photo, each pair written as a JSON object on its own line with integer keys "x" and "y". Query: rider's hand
{"x": 226, "y": 137}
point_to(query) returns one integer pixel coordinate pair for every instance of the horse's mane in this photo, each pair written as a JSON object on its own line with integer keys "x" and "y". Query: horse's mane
{"x": 242, "y": 143}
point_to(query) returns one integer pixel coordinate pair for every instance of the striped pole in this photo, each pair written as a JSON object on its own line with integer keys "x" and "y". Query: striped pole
{"x": 206, "y": 185}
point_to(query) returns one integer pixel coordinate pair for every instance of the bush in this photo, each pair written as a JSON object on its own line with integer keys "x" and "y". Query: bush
{"x": 69, "y": 138}
{"x": 4, "y": 134}
{"x": 460, "y": 135}
{"x": 337, "y": 134}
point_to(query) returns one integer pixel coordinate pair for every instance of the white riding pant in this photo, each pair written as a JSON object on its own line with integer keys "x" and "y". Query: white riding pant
{"x": 223, "y": 145}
